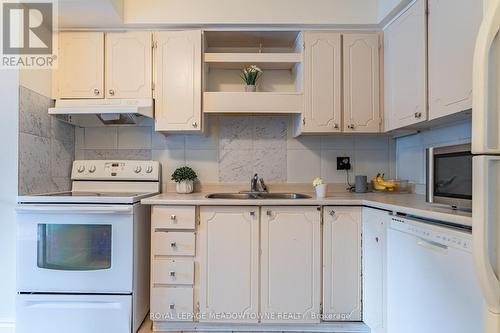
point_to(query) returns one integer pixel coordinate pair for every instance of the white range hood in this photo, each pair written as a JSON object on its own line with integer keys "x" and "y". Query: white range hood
{"x": 86, "y": 112}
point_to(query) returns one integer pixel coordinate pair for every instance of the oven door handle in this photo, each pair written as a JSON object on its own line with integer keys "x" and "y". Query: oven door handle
{"x": 72, "y": 209}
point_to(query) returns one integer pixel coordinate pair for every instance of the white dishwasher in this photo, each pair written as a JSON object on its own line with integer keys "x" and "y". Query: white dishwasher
{"x": 431, "y": 282}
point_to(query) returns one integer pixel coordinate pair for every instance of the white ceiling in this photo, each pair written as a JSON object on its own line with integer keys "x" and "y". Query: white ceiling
{"x": 154, "y": 13}
{"x": 90, "y": 13}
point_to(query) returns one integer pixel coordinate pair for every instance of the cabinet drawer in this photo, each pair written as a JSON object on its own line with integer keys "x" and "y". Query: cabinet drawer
{"x": 171, "y": 304}
{"x": 169, "y": 271}
{"x": 171, "y": 243}
{"x": 173, "y": 217}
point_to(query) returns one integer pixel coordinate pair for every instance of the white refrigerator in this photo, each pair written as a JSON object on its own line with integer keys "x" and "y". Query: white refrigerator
{"x": 486, "y": 162}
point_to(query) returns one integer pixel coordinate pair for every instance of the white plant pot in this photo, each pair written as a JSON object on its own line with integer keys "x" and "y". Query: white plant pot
{"x": 250, "y": 88}
{"x": 320, "y": 190}
{"x": 185, "y": 186}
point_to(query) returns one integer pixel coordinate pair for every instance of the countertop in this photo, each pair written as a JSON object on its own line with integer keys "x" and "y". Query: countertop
{"x": 412, "y": 204}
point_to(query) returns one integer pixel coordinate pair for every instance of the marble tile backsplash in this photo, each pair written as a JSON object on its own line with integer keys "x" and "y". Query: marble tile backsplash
{"x": 46, "y": 146}
{"x": 236, "y": 147}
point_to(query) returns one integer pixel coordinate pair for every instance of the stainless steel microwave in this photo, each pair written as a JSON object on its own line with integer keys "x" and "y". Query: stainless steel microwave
{"x": 449, "y": 176}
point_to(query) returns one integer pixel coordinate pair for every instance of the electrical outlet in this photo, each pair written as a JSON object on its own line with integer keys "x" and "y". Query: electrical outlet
{"x": 343, "y": 163}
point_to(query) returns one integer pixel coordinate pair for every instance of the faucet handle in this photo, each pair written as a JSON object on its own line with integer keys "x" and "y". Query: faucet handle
{"x": 263, "y": 187}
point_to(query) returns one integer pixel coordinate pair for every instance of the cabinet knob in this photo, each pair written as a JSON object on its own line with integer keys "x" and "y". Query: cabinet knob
{"x": 111, "y": 92}
{"x": 173, "y": 244}
{"x": 252, "y": 213}
{"x": 268, "y": 213}
{"x": 173, "y": 217}
{"x": 172, "y": 273}
{"x": 332, "y": 213}
{"x": 418, "y": 115}
{"x": 350, "y": 126}
{"x": 195, "y": 124}
{"x": 171, "y": 306}
{"x": 96, "y": 91}
{"x": 376, "y": 239}
{"x": 336, "y": 126}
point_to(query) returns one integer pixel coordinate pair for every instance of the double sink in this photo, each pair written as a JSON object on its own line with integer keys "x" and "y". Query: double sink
{"x": 258, "y": 195}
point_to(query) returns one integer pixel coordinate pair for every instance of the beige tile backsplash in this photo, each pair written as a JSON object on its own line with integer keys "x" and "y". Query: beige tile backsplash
{"x": 236, "y": 147}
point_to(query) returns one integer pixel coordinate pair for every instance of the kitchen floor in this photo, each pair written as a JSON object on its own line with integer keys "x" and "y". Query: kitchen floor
{"x": 146, "y": 327}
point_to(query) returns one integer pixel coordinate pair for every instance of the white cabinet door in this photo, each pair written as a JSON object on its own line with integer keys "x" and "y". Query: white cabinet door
{"x": 322, "y": 82}
{"x": 290, "y": 269}
{"x": 81, "y": 65}
{"x": 361, "y": 83}
{"x": 178, "y": 81}
{"x": 129, "y": 64}
{"x": 342, "y": 263}
{"x": 374, "y": 269}
{"x": 453, "y": 28}
{"x": 405, "y": 90}
{"x": 229, "y": 263}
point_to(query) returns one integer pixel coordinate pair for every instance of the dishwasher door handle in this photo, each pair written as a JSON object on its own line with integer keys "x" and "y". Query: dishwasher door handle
{"x": 434, "y": 246}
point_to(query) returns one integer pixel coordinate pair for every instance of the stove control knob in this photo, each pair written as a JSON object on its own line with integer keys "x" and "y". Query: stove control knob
{"x": 92, "y": 169}
{"x": 81, "y": 169}
{"x": 149, "y": 169}
{"x": 137, "y": 169}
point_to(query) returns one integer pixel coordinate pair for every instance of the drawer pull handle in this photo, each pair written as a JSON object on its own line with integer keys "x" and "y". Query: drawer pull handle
{"x": 171, "y": 306}
{"x": 173, "y": 217}
{"x": 332, "y": 213}
{"x": 173, "y": 244}
{"x": 172, "y": 273}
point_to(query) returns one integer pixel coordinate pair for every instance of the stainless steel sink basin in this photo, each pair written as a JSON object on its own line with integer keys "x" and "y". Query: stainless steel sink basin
{"x": 264, "y": 195}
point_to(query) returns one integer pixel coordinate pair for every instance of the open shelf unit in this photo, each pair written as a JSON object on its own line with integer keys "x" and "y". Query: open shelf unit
{"x": 277, "y": 53}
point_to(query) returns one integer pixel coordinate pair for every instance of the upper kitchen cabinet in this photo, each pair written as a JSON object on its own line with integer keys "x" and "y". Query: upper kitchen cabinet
{"x": 277, "y": 53}
{"x": 129, "y": 64}
{"x": 405, "y": 97}
{"x": 361, "y": 83}
{"x": 322, "y": 82}
{"x": 453, "y": 28}
{"x": 81, "y": 65}
{"x": 104, "y": 65}
{"x": 178, "y": 80}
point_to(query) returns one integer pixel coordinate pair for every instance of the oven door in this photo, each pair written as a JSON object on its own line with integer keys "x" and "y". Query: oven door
{"x": 75, "y": 248}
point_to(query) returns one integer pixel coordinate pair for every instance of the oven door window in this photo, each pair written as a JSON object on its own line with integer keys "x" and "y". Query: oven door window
{"x": 74, "y": 247}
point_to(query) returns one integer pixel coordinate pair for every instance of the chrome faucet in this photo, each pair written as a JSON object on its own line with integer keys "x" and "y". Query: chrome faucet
{"x": 257, "y": 184}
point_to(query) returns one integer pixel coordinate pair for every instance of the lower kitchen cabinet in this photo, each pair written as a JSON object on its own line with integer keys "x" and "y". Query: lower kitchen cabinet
{"x": 229, "y": 263}
{"x": 375, "y": 224}
{"x": 290, "y": 267}
{"x": 342, "y": 263}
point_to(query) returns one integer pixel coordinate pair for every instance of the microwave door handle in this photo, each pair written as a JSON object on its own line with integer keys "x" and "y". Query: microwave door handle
{"x": 486, "y": 35}
{"x": 54, "y": 209}
{"x": 483, "y": 215}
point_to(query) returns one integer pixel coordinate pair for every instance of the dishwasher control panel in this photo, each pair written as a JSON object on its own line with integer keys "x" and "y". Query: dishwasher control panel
{"x": 442, "y": 235}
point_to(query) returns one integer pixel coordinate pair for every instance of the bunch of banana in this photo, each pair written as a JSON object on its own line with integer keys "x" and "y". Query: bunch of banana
{"x": 380, "y": 184}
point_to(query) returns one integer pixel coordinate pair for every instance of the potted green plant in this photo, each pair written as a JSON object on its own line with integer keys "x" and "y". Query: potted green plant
{"x": 184, "y": 178}
{"x": 250, "y": 75}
